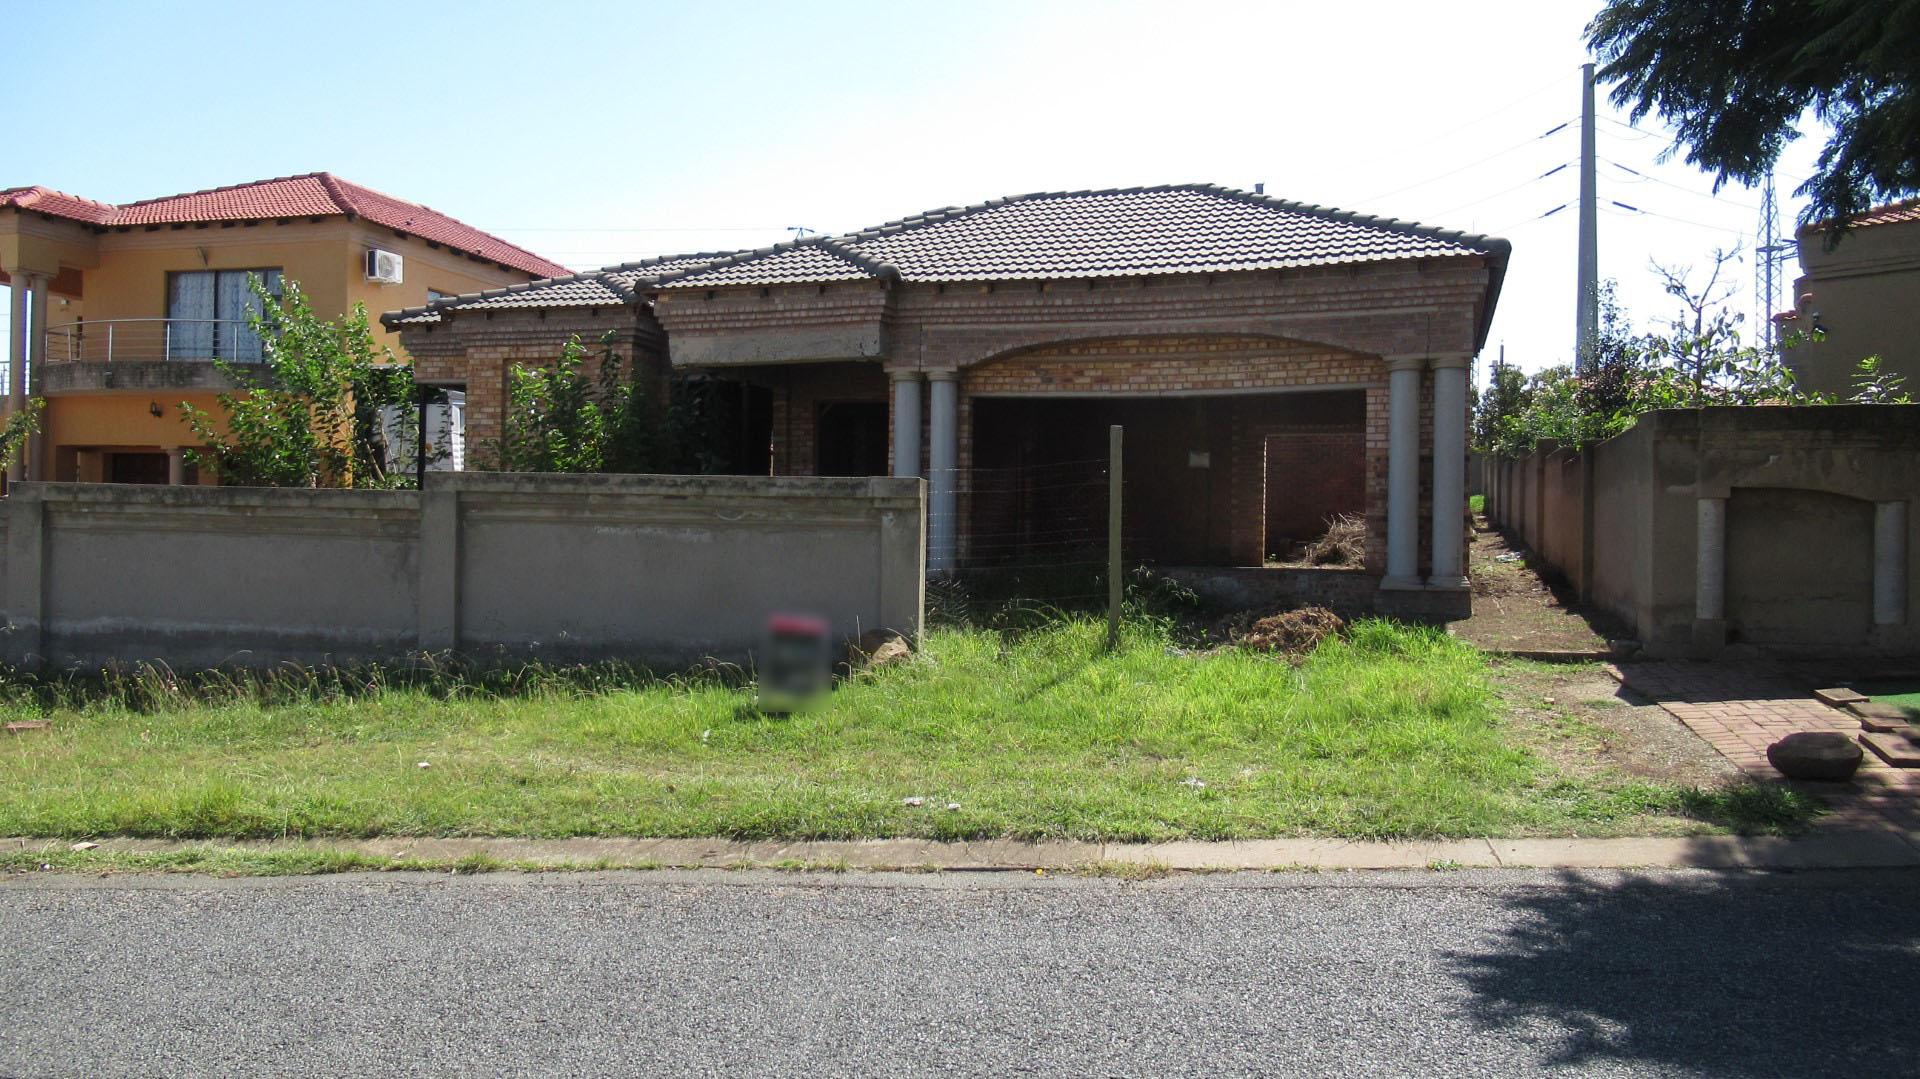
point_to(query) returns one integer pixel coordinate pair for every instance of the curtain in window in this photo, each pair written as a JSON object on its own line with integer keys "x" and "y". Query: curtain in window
{"x": 216, "y": 307}
{"x": 190, "y": 302}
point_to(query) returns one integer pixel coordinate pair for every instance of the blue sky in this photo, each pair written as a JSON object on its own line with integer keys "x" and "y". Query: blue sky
{"x": 595, "y": 133}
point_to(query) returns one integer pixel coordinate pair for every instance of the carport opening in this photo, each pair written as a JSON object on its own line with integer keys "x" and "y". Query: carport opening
{"x": 1210, "y": 480}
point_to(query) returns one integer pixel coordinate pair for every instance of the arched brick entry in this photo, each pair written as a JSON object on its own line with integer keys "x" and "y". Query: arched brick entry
{"x": 1201, "y": 408}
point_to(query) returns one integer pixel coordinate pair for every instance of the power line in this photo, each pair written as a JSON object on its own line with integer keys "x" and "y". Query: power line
{"x": 1632, "y": 210}
{"x": 646, "y": 228}
{"x": 1484, "y": 117}
{"x": 1525, "y": 221}
{"x": 1507, "y": 191}
{"x": 1556, "y": 129}
{"x": 1639, "y": 134}
{"x": 1648, "y": 178}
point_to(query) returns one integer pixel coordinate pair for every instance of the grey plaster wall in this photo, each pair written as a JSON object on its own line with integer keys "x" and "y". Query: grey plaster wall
{"x": 661, "y": 570}
{"x": 1800, "y": 487}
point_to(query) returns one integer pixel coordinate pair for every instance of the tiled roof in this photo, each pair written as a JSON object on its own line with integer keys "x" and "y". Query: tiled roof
{"x": 318, "y": 194}
{"x": 594, "y": 288}
{"x": 632, "y": 274}
{"x": 1187, "y": 228}
{"x": 804, "y": 260}
{"x": 58, "y": 203}
{"x": 1891, "y": 214}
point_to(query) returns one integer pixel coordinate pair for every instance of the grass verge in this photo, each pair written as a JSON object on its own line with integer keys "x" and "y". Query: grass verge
{"x": 1393, "y": 732}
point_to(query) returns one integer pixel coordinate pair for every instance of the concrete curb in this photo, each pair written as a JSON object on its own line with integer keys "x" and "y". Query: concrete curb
{"x": 1836, "y": 850}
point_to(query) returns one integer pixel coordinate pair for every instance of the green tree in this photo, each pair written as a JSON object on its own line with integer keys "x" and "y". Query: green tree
{"x": 309, "y": 415}
{"x": 1699, "y": 360}
{"x": 1873, "y": 385}
{"x": 1734, "y": 78}
{"x": 561, "y": 418}
{"x": 1506, "y": 396}
{"x": 21, "y": 426}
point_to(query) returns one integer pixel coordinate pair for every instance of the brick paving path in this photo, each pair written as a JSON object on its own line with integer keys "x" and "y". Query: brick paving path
{"x": 1741, "y": 708}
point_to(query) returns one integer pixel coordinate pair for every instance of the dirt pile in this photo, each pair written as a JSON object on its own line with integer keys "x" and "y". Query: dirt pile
{"x": 1293, "y": 633}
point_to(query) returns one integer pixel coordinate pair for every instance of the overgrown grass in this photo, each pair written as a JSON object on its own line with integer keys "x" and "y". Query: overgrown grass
{"x": 1391, "y": 732}
{"x": 1476, "y": 503}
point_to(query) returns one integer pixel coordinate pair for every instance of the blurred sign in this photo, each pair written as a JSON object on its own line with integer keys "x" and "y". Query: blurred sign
{"x": 796, "y": 662}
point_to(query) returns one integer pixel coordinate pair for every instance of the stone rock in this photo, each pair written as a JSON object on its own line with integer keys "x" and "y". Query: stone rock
{"x": 889, "y": 654}
{"x": 1829, "y": 756}
{"x": 880, "y": 648}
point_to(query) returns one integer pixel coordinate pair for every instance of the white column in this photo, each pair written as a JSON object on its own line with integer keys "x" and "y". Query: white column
{"x": 176, "y": 466}
{"x": 36, "y": 448}
{"x": 1403, "y": 472}
{"x": 17, "y": 354}
{"x": 1889, "y": 563}
{"x": 1710, "y": 561}
{"x": 1449, "y": 470}
{"x": 906, "y": 423}
{"x": 943, "y": 458}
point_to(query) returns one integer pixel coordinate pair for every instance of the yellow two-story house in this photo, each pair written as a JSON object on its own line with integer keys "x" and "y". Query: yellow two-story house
{"x": 119, "y": 311}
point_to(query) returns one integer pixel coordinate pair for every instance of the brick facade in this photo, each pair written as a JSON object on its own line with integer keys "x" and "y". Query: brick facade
{"x": 1247, "y": 370}
{"x": 477, "y": 351}
{"x": 1257, "y": 335}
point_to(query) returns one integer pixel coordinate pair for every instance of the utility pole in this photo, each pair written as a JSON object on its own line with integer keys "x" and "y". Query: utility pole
{"x": 1767, "y": 256}
{"x": 1586, "y": 322}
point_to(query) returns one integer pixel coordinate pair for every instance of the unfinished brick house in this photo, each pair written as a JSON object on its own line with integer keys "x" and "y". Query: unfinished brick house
{"x": 1273, "y": 364}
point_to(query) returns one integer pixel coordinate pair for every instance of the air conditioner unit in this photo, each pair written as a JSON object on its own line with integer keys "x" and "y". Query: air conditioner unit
{"x": 383, "y": 267}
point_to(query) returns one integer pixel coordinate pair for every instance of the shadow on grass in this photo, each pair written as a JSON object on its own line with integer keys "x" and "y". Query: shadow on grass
{"x": 1726, "y": 975}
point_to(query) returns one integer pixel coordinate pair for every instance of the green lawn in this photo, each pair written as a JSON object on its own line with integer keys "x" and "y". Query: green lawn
{"x": 1394, "y": 732}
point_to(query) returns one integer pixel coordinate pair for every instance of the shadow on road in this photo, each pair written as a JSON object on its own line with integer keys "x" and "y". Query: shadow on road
{"x": 1737, "y": 974}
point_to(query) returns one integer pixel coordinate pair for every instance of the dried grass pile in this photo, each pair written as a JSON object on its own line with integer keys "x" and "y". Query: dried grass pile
{"x": 1345, "y": 543}
{"x": 1293, "y": 633}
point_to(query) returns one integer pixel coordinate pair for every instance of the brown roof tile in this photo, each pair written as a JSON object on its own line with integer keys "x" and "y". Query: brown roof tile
{"x": 1188, "y": 228}
{"x": 317, "y": 194}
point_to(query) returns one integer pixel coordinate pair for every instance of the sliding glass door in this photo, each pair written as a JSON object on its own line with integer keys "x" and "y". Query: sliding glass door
{"x": 209, "y": 314}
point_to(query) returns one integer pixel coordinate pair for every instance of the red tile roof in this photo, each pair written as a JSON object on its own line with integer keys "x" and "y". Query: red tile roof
{"x": 1892, "y": 213}
{"x": 317, "y": 194}
{"x": 58, "y": 203}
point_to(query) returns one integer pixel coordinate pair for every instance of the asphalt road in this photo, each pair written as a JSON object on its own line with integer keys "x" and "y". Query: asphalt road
{"x": 719, "y": 973}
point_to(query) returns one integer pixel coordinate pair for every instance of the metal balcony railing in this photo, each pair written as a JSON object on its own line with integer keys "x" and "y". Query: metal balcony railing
{"x": 131, "y": 340}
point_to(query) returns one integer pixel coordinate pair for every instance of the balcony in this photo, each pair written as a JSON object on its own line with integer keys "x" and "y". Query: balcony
{"x": 144, "y": 354}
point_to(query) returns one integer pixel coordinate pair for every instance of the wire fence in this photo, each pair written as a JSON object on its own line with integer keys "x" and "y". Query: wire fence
{"x": 1032, "y": 536}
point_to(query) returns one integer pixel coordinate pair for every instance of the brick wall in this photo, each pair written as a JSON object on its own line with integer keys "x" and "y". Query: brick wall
{"x": 1227, "y": 333}
{"x": 477, "y": 349}
{"x": 1311, "y": 477}
{"x": 1240, "y": 366}
{"x": 798, "y": 392}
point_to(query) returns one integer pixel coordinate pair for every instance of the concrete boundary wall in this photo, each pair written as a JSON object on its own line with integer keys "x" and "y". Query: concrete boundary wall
{"x": 659, "y": 570}
{"x": 1788, "y": 529}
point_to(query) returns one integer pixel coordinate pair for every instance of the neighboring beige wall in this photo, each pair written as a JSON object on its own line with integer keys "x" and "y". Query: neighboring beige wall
{"x": 326, "y": 256}
{"x": 662, "y": 570}
{"x": 1865, "y": 294}
{"x": 1771, "y": 528}
{"x": 1622, "y": 555}
{"x": 1800, "y": 484}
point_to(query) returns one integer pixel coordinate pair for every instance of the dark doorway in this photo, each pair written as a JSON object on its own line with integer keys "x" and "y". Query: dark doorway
{"x": 1313, "y": 476}
{"x": 851, "y": 439}
{"x": 1202, "y": 481}
{"x": 137, "y": 468}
